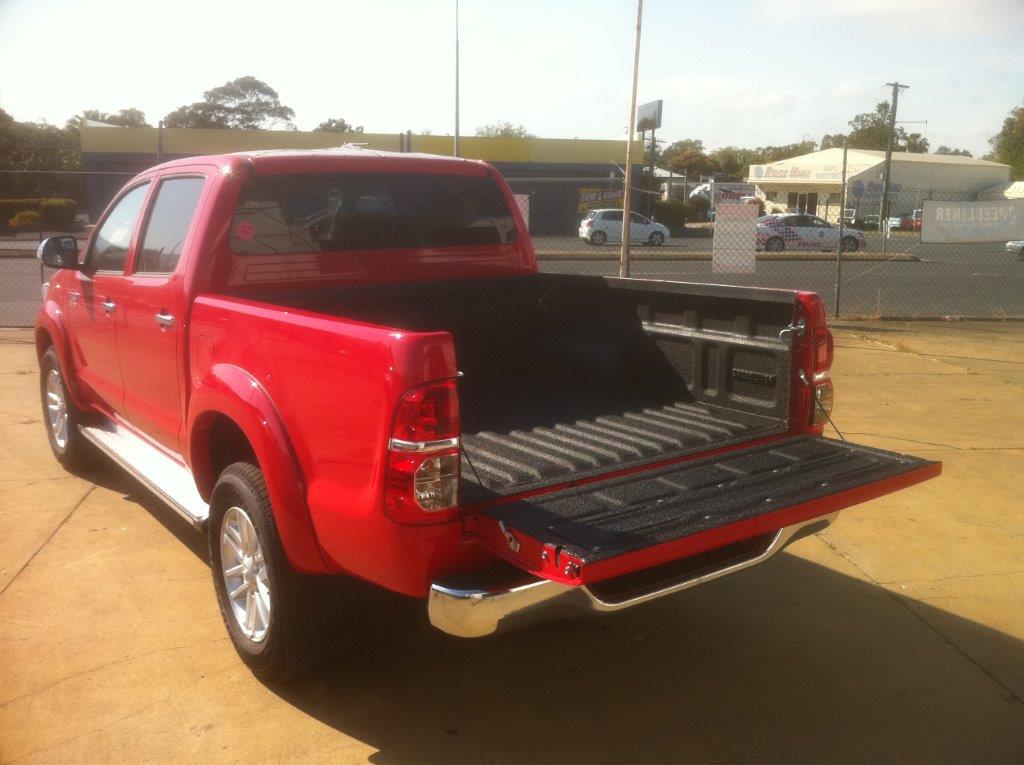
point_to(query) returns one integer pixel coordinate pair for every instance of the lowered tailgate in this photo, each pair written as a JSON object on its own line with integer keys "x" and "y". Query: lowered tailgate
{"x": 607, "y": 528}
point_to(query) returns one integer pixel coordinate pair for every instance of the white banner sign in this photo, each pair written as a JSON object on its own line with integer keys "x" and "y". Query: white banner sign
{"x": 735, "y": 233}
{"x": 946, "y": 222}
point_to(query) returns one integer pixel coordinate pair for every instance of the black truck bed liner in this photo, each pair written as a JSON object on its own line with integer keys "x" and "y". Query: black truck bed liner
{"x": 605, "y": 519}
{"x": 535, "y": 438}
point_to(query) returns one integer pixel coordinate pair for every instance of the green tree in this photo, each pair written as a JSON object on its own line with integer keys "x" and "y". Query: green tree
{"x": 915, "y": 143}
{"x": 130, "y": 117}
{"x": 337, "y": 125}
{"x": 503, "y": 130}
{"x": 870, "y": 130}
{"x": 949, "y": 150}
{"x": 664, "y": 158}
{"x": 245, "y": 103}
{"x": 38, "y": 146}
{"x": 833, "y": 141}
{"x": 694, "y": 163}
{"x": 1008, "y": 144}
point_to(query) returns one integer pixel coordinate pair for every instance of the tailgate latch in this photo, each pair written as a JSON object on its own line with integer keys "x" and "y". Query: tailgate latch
{"x": 513, "y": 543}
{"x": 793, "y": 329}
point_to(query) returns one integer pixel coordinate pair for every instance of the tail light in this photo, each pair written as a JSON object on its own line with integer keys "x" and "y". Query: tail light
{"x": 812, "y": 391}
{"x": 422, "y": 484}
{"x": 588, "y": 223}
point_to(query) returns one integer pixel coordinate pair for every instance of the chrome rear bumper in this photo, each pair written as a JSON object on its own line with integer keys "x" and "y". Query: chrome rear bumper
{"x": 465, "y": 607}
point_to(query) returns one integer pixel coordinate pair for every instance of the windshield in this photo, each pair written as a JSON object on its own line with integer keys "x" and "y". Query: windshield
{"x": 313, "y": 212}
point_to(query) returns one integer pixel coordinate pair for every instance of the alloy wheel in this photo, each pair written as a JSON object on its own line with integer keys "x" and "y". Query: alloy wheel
{"x": 246, "y": 579}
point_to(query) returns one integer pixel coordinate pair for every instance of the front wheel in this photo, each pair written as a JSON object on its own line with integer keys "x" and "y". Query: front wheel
{"x": 657, "y": 239}
{"x": 280, "y": 622}
{"x": 61, "y": 416}
{"x": 850, "y": 244}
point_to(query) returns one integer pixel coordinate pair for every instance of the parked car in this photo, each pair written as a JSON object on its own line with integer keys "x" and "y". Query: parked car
{"x": 871, "y": 222}
{"x": 798, "y": 231}
{"x": 600, "y": 226}
{"x": 849, "y": 216}
{"x": 1016, "y": 247}
{"x": 345, "y": 369}
{"x": 915, "y": 220}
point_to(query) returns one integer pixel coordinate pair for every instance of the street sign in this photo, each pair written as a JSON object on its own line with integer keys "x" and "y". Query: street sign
{"x": 648, "y": 116}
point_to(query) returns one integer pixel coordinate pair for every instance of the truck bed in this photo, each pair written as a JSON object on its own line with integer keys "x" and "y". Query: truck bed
{"x": 566, "y": 376}
{"x": 535, "y": 437}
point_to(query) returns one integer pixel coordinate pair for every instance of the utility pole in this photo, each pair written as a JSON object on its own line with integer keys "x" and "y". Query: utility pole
{"x": 842, "y": 223}
{"x": 883, "y": 210}
{"x": 628, "y": 188}
{"x": 653, "y": 180}
{"x": 456, "y": 78}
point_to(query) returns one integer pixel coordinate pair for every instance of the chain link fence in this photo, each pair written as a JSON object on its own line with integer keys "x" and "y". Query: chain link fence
{"x": 863, "y": 271}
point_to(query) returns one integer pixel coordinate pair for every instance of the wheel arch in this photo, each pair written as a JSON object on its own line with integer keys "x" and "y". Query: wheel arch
{"x": 51, "y": 332}
{"x": 232, "y": 418}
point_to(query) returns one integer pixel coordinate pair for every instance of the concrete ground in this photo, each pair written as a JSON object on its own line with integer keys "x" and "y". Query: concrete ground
{"x": 898, "y": 634}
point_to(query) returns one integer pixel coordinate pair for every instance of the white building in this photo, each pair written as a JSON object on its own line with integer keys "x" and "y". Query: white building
{"x": 813, "y": 182}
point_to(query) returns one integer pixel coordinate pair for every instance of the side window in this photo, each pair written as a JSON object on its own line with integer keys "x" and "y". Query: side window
{"x": 612, "y": 215}
{"x": 637, "y": 218}
{"x": 168, "y": 225}
{"x": 110, "y": 249}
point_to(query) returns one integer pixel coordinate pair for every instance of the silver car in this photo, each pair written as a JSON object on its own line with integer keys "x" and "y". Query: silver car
{"x": 1016, "y": 247}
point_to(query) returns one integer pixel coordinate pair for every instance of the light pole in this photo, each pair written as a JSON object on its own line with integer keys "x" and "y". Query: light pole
{"x": 628, "y": 183}
{"x": 456, "y": 78}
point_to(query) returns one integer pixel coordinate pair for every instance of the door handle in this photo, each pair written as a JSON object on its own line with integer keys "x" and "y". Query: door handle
{"x": 109, "y": 306}
{"x": 164, "y": 319}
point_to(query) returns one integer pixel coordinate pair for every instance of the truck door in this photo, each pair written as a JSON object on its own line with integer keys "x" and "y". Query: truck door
{"x": 95, "y": 297}
{"x": 150, "y": 338}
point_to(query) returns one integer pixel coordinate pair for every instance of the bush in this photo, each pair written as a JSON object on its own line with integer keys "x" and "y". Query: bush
{"x": 25, "y": 220}
{"x": 671, "y": 214}
{"x": 57, "y": 213}
{"x": 697, "y": 209}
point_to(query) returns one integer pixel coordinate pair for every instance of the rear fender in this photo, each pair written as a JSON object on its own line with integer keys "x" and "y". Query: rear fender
{"x": 230, "y": 391}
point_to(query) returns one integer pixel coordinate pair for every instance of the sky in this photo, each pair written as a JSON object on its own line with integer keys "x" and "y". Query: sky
{"x": 730, "y": 72}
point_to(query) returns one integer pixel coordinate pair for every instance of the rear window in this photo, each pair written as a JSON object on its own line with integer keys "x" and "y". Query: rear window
{"x": 314, "y": 212}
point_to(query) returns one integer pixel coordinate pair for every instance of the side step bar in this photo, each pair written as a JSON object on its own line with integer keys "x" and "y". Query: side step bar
{"x": 169, "y": 479}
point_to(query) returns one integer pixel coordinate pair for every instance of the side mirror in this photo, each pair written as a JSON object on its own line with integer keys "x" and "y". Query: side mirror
{"x": 59, "y": 252}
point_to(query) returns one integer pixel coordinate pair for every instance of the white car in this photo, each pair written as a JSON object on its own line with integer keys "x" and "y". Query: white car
{"x": 1016, "y": 247}
{"x": 798, "y": 231}
{"x": 600, "y": 226}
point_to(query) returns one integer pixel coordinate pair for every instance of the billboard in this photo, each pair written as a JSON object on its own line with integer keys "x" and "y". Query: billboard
{"x": 946, "y": 222}
{"x": 648, "y": 116}
{"x": 597, "y": 198}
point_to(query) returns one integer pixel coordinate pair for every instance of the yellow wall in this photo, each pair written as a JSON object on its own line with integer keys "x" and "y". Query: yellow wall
{"x": 103, "y": 140}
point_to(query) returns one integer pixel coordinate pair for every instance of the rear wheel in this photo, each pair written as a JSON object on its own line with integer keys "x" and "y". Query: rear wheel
{"x": 775, "y": 244}
{"x": 280, "y": 622}
{"x": 656, "y": 239}
{"x": 598, "y": 238}
{"x": 849, "y": 244}
{"x": 61, "y": 416}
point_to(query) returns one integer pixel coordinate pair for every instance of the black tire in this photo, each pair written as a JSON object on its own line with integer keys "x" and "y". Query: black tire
{"x": 598, "y": 238}
{"x": 311, "y": 617}
{"x": 72, "y": 450}
{"x": 656, "y": 239}
{"x": 850, "y": 244}
{"x": 775, "y": 244}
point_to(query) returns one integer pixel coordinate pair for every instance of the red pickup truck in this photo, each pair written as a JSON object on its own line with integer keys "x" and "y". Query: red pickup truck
{"x": 344, "y": 365}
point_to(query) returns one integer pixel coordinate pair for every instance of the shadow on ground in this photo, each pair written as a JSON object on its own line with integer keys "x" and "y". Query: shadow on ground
{"x": 791, "y": 660}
